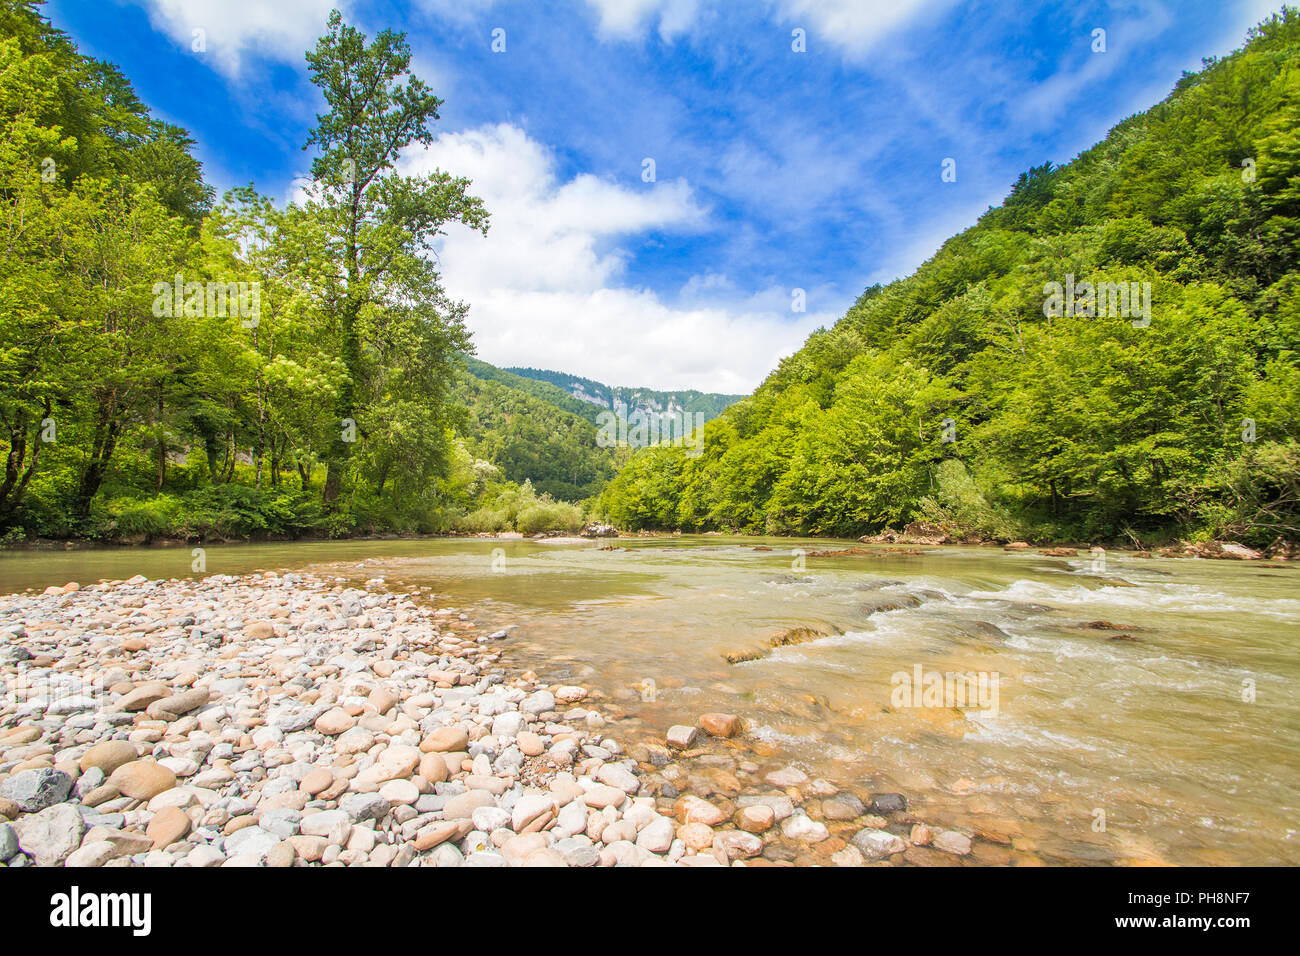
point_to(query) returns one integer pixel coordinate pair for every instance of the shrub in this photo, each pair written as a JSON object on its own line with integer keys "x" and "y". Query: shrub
{"x": 549, "y": 516}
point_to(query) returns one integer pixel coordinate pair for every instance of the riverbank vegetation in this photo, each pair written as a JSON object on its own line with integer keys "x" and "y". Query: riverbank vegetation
{"x": 953, "y": 397}
{"x": 174, "y": 364}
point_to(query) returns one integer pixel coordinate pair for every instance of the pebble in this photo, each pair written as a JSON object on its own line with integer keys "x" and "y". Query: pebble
{"x": 292, "y": 720}
{"x": 720, "y": 725}
{"x": 693, "y": 809}
{"x": 788, "y": 777}
{"x": 799, "y": 826}
{"x": 756, "y": 819}
{"x": 878, "y": 844}
{"x": 682, "y": 736}
{"x": 167, "y": 826}
{"x": 8, "y": 841}
{"x": 950, "y": 841}
{"x": 108, "y": 756}
{"x": 50, "y": 835}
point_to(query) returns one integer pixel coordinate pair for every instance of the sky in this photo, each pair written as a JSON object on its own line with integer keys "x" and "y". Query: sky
{"x": 797, "y": 148}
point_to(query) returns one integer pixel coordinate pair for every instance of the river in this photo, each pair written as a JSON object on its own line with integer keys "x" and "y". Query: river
{"x": 1172, "y": 736}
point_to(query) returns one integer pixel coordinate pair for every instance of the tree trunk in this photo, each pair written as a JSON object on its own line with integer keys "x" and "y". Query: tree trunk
{"x": 107, "y": 431}
{"x": 16, "y": 476}
{"x": 162, "y": 442}
{"x": 340, "y": 450}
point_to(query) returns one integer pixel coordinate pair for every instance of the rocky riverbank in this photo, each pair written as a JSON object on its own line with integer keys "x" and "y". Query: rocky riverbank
{"x": 289, "y": 720}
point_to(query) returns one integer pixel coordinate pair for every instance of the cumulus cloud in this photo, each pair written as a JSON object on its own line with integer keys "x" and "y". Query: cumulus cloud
{"x": 547, "y": 286}
{"x": 282, "y": 30}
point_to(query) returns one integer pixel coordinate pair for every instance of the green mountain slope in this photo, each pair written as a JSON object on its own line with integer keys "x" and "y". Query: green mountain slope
{"x": 954, "y": 396}
{"x": 599, "y": 396}
{"x": 531, "y": 438}
{"x": 541, "y": 390}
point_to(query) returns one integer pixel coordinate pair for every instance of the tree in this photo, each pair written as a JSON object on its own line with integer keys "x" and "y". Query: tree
{"x": 377, "y": 226}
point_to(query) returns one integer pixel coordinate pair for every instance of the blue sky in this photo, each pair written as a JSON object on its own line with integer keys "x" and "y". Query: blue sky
{"x": 775, "y": 170}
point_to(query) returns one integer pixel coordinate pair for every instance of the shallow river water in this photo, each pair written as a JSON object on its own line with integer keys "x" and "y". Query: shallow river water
{"x": 1172, "y": 734}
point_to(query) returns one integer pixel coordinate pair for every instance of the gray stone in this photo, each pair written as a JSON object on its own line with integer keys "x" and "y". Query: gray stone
{"x": 251, "y": 842}
{"x": 51, "y": 835}
{"x": 844, "y": 806}
{"x": 283, "y": 822}
{"x": 364, "y": 806}
{"x": 485, "y": 858}
{"x": 616, "y": 775}
{"x": 889, "y": 803}
{"x": 538, "y": 703}
{"x": 447, "y": 855}
{"x": 88, "y": 781}
{"x": 34, "y": 790}
{"x": 577, "y": 851}
{"x": 878, "y": 844}
{"x": 682, "y": 736}
{"x": 8, "y": 842}
{"x": 657, "y": 835}
{"x": 508, "y": 724}
{"x": 489, "y": 818}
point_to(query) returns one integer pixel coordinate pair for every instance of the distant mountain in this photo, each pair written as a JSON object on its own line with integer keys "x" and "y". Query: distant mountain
{"x": 541, "y": 390}
{"x": 533, "y": 432}
{"x": 541, "y": 426}
{"x": 625, "y": 400}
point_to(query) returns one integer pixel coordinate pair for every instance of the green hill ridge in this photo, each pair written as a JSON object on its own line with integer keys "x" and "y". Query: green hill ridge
{"x": 952, "y": 396}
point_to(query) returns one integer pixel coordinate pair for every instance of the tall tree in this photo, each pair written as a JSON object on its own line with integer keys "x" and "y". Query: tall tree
{"x": 378, "y": 225}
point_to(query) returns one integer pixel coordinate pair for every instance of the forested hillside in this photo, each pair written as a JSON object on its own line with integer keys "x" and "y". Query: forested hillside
{"x": 540, "y": 390}
{"x": 530, "y": 439}
{"x": 597, "y": 396}
{"x": 964, "y": 395}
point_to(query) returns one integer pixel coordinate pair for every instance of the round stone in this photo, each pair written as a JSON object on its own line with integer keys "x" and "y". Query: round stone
{"x": 109, "y": 755}
{"x": 142, "y": 779}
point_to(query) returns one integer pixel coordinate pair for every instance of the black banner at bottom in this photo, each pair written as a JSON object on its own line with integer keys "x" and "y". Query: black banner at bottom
{"x": 170, "y": 905}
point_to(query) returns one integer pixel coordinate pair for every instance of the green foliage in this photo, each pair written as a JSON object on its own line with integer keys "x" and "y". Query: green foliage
{"x": 963, "y": 510}
{"x": 542, "y": 390}
{"x": 1073, "y": 426}
{"x": 317, "y": 399}
{"x": 532, "y": 440}
{"x": 711, "y": 404}
{"x": 505, "y": 507}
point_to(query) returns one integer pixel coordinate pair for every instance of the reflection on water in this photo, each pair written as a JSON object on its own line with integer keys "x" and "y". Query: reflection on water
{"x": 1160, "y": 696}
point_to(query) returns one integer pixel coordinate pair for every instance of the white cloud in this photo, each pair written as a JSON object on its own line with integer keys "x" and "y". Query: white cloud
{"x": 853, "y": 26}
{"x": 625, "y": 19}
{"x": 547, "y": 286}
{"x": 283, "y": 30}
{"x": 1126, "y": 38}
{"x": 856, "y": 26}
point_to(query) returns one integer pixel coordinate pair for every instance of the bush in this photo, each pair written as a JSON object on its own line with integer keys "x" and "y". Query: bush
{"x": 962, "y": 510}
{"x": 549, "y": 516}
{"x": 482, "y": 520}
{"x": 148, "y": 518}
